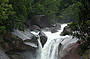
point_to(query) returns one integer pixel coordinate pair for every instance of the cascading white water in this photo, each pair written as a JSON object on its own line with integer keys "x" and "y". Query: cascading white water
{"x": 38, "y": 52}
{"x": 50, "y": 49}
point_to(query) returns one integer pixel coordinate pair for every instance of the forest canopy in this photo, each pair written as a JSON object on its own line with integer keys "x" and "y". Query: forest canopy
{"x": 14, "y": 13}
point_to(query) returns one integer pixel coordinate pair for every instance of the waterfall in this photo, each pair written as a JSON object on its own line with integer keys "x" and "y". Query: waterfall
{"x": 38, "y": 52}
{"x": 51, "y": 47}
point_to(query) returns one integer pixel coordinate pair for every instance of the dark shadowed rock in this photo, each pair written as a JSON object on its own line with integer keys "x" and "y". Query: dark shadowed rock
{"x": 59, "y": 47}
{"x": 66, "y": 31}
{"x": 31, "y": 41}
{"x": 43, "y": 38}
{"x": 18, "y": 45}
{"x": 39, "y": 20}
{"x": 27, "y": 40}
{"x": 14, "y": 46}
{"x": 17, "y": 56}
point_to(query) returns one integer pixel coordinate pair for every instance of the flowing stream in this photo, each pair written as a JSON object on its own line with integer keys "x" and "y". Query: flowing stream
{"x": 55, "y": 45}
{"x": 51, "y": 48}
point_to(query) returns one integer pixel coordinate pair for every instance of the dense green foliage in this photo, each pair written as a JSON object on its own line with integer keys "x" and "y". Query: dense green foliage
{"x": 71, "y": 12}
{"x": 82, "y": 26}
{"x": 8, "y": 17}
{"x": 14, "y": 13}
{"x": 6, "y": 13}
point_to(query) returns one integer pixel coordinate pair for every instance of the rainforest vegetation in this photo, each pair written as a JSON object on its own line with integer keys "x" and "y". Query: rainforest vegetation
{"x": 82, "y": 26}
{"x": 14, "y": 13}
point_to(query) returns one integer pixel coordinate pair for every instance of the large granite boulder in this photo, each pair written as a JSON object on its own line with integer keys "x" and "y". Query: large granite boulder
{"x": 71, "y": 52}
{"x": 14, "y": 44}
{"x": 13, "y": 47}
{"x": 43, "y": 38}
{"x": 39, "y": 20}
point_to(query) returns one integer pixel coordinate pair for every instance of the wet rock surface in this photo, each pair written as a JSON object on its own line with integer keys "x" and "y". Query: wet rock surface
{"x": 35, "y": 27}
{"x": 55, "y": 27}
{"x": 43, "y": 38}
{"x": 33, "y": 39}
{"x": 53, "y": 30}
{"x": 66, "y": 31}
